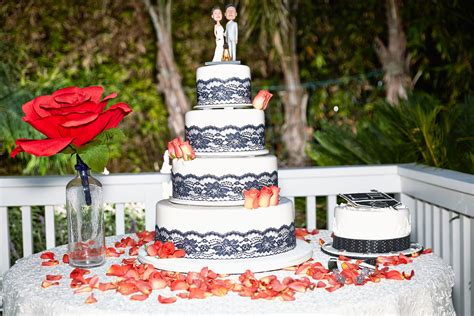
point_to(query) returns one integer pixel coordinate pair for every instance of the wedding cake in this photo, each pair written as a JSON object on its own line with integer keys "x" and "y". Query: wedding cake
{"x": 371, "y": 229}
{"x": 206, "y": 215}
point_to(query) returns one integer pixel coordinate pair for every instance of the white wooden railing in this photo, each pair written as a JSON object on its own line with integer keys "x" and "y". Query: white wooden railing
{"x": 441, "y": 204}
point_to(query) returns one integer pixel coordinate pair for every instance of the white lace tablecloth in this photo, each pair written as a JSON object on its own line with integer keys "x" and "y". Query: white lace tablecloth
{"x": 427, "y": 293}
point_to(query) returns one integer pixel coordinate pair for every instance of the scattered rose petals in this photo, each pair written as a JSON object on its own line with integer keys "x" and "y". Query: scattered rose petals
{"x": 66, "y": 258}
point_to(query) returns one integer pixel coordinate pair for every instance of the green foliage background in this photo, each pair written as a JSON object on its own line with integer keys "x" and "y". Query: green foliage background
{"x": 46, "y": 45}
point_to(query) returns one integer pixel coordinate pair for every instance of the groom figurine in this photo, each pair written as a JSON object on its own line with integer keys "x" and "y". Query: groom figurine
{"x": 231, "y": 30}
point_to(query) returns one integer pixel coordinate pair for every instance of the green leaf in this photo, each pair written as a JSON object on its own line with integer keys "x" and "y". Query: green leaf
{"x": 107, "y": 137}
{"x": 95, "y": 156}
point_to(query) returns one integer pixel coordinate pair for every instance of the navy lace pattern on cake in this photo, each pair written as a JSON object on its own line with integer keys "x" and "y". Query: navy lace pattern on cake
{"x": 230, "y": 138}
{"x": 231, "y": 245}
{"x": 210, "y": 188}
{"x": 218, "y": 91}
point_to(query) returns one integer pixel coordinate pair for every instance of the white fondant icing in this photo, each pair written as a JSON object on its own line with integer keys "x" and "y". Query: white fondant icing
{"x": 223, "y": 71}
{"x": 220, "y": 166}
{"x": 223, "y": 84}
{"x": 226, "y": 131}
{"x": 222, "y": 219}
{"x": 224, "y": 117}
{"x": 371, "y": 223}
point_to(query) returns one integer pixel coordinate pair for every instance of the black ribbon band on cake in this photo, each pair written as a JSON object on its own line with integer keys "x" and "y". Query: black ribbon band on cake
{"x": 371, "y": 246}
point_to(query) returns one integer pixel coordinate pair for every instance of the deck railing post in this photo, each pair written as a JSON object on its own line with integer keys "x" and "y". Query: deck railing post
{"x": 4, "y": 241}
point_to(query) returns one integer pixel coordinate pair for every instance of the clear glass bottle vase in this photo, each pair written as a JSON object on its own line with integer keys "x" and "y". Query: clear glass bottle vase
{"x": 85, "y": 216}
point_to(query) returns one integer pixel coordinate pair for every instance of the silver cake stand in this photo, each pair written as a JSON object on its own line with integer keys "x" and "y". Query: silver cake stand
{"x": 328, "y": 249}
{"x": 301, "y": 253}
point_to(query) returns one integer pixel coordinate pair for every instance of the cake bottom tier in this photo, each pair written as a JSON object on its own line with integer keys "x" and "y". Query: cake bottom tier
{"x": 371, "y": 246}
{"x": 227, "y": 232}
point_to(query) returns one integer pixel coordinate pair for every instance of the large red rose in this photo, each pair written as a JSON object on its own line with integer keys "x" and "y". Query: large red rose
{"x": 69, "y": 116}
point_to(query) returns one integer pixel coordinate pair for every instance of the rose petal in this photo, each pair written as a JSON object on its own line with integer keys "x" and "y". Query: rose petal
{"x": 115, "y": 270}
{"x": 298, "y": 286}
{"x": 393, "y": 275}
{"x": 93, "y": 281}
{"x": 408, "y": 276}
{"x": 46, "y": 284}
{"x": 139, "y": 297}
{"x": 41, "y": 147}
{"x": 334, "y": 287}
{"x": 197, "y": 294}
{"x": 157, "y": 282}
{"x": 152, "y": 251}
{"x": 47, "y": 255}
{"x": 166, "y": 300}
{"x": 179, "y": 253}
{"x": 106, "y": 120}
{"x": 66, "y": 258}
{"x": 83, "y": 289}
{"x": 50, "y": 263}
{"x": 53, "y": 277}
{"x": 178, "y": 285}
{"x": 144, "y": 287}
{"x": 107, "y": 286}
{"x": 146, "y": 236}
{"x": 183, "y": 295}
{"x": 126, "y": 288}
{"x": 91, "y": 299}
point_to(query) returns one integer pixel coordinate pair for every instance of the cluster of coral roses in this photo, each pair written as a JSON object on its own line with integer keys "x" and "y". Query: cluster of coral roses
{"x": 179, "y": 149}
{"x": 267, "y": 196}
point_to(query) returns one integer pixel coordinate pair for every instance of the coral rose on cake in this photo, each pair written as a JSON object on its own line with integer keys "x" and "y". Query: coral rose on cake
{"x": 264, "y": 197}
{"x": 260, "y": 102}
{"x": 70, "y": 116}
{"x": 179, "y": 149}
{"x": 251, "y": 198}
{"x": 188, "y": 152}
{"x": 275, "y": 195}
{"x": 174, "y": 149}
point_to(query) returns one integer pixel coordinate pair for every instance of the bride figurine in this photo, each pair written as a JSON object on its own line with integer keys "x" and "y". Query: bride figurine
{"x": 219, "y": 34}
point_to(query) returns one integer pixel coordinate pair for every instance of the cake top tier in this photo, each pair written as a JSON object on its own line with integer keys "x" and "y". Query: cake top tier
{"x": 223, "y": 85}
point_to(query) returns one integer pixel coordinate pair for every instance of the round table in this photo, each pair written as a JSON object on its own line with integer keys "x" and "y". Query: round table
{"x": 428, "y": 292}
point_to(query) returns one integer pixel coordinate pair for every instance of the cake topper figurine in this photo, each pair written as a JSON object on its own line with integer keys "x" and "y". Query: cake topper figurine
{"x": 218, "y": 33}
{"x": 231, "y": 30}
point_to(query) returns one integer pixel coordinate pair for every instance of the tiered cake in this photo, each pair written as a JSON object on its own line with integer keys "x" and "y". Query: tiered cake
{"x": 205, "y": 215}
